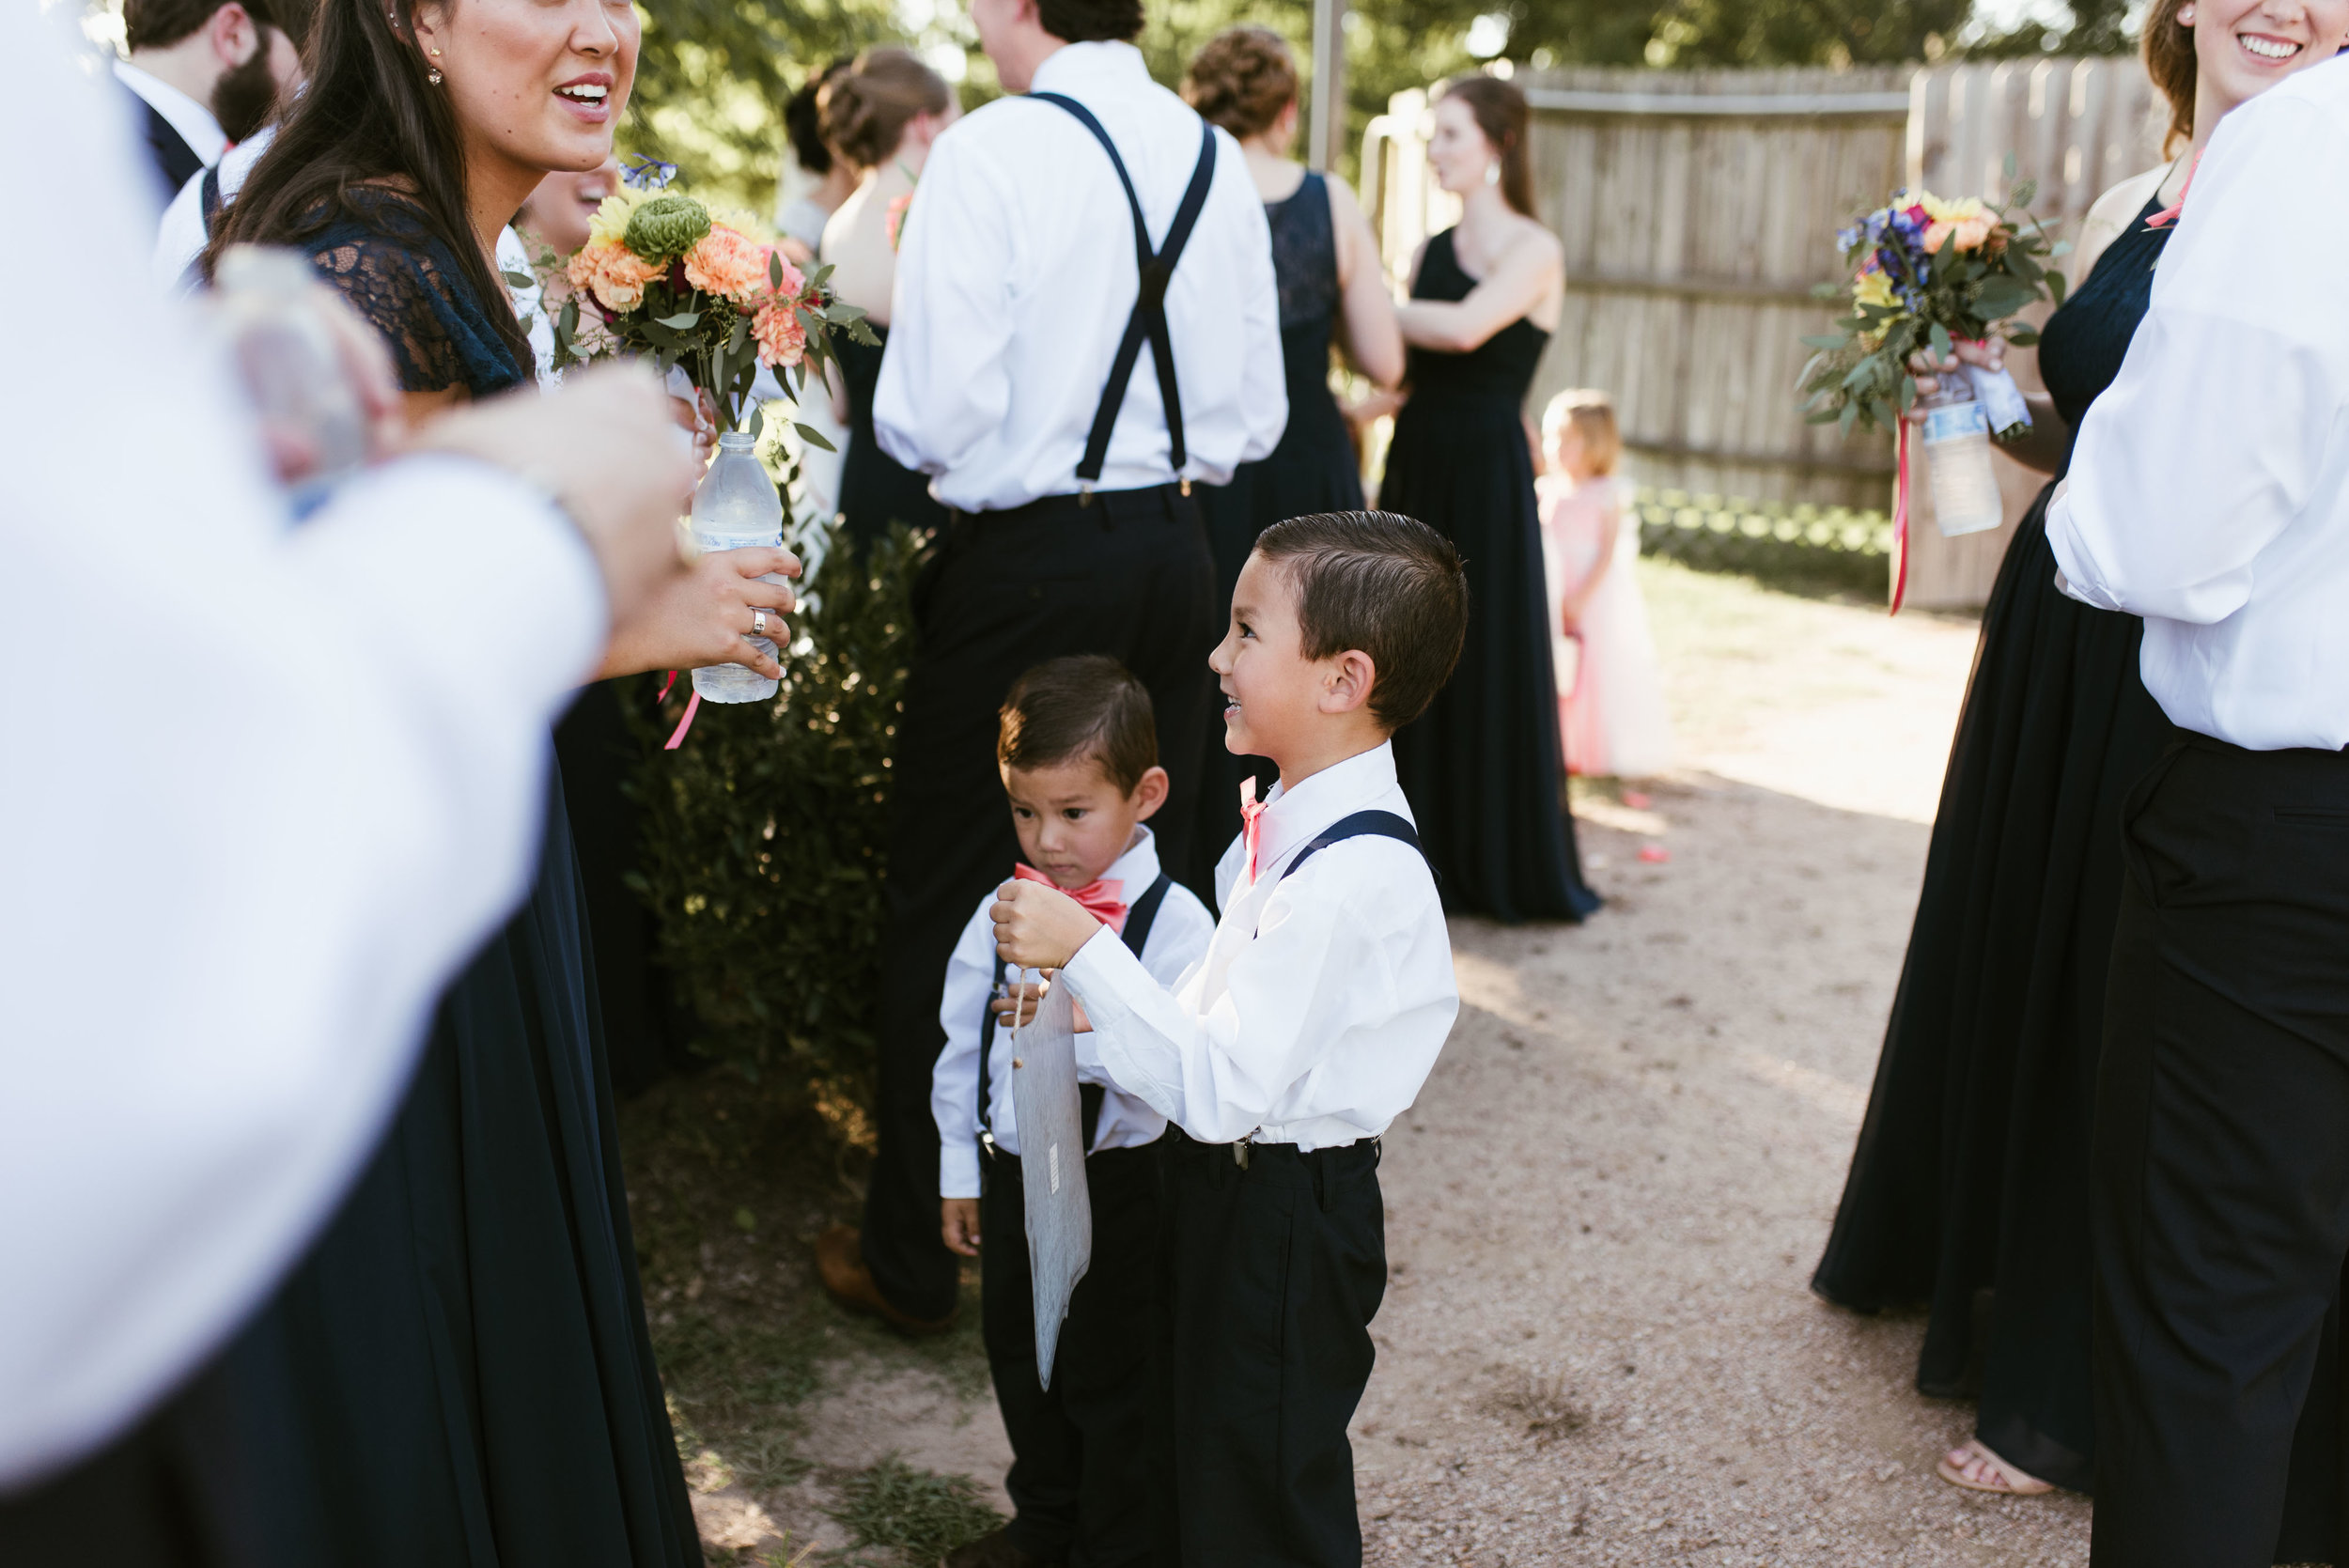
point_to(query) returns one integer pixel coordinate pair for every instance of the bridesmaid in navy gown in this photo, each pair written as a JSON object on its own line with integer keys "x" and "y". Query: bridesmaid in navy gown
{"x": 880, "y": 114}
{"x": 1972, "y": 1172}
{"x": 1327, "y": 261}
{"x": 1482, "y": 767}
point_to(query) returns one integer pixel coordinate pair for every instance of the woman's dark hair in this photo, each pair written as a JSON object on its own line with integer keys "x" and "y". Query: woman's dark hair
{"x": 1498, "y": 110}
{"x": 1242, "y": 80}
{"x": 803, "y": 121}
{"x": 1087, "y": 707}
{"x": 2170, "y": 61}
{"x": 1091, "y": 21}
{"x": 1381, "y": 582}
{"x": 368, "y": 119}
{"x": 867, "y": 107}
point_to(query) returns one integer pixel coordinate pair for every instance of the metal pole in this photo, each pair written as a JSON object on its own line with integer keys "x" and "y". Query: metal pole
{"x": 1326, "y": 135}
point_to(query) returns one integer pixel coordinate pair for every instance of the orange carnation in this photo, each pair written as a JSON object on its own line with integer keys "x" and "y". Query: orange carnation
{"x": 782, "y": 339}
{"x": 727, "y": 263}
{"x": 615, "y": 274}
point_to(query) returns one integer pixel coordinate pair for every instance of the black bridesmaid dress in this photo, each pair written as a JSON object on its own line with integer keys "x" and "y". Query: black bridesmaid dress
{"x": 1482, "y": 767}
{"x": 1972, "y": 1172}
{"x": 1313, "y": 468}
{"x": 458, "y": 1373}
{"x": 876, "y": 490}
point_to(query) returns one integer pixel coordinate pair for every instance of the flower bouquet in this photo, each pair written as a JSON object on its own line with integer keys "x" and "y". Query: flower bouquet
{"x": 1926, "y": 273}
{"x": 661, "y": 277}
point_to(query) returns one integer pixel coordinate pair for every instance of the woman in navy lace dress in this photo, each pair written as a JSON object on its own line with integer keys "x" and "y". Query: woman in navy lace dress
{"x": 459, "y": 1372}
{"x": 1972, "y": 1170}
{"x": 1482, "y": 767}
{"x": 1331, "y": 288}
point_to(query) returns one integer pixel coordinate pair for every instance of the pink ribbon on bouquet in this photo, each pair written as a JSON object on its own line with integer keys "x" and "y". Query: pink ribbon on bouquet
{"x": 693, "y": 706}
{"x": 1900, "y": 521}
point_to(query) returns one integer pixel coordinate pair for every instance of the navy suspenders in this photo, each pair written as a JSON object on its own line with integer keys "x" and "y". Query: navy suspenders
{"x": 1363, "y": 824}
{"x": 1148, "y": 320}
{"x": 1135, "y": 936}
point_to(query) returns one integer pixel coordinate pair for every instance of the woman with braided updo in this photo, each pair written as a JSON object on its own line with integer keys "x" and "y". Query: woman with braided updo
{"x": 1331, "y": 288}
{"x": 881, "y": 115}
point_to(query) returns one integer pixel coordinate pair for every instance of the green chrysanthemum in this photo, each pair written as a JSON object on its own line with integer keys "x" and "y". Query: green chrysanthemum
{"x": 666, "y": 227}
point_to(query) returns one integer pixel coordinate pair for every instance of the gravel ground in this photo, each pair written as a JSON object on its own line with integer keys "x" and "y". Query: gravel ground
{"x": 1598, "y": 1346}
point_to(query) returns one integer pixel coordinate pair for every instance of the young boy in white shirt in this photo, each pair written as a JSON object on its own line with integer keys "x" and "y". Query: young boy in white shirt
{"x": 1078, "y": 750}
{"x": 1311, "y": 1024}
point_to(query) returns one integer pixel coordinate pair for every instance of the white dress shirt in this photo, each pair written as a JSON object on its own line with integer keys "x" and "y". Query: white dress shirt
{"x": 2209, "y": 488}
{"x": 192, "y": 120}
{"x": 1177, "y": 939}
{"x": 182, "y": 237}
{"x": 293, "y": 780}
{"x": 1015, "y": 278}
{"x": 1323, "y": 1000}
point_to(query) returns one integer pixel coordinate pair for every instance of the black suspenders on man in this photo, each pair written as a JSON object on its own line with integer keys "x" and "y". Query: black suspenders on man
{"x": 1148, "y": 320}
{"x": 1135, "y": 935}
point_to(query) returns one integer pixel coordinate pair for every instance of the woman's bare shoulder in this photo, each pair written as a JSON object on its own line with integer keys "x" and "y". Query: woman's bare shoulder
{"x": 2106, "y": 216}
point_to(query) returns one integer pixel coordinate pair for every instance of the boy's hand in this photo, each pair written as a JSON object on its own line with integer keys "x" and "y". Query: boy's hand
{"x": 1025, "y": 997}
{"x": 1039, "y": 927}
{"x": 958, "y": 1222}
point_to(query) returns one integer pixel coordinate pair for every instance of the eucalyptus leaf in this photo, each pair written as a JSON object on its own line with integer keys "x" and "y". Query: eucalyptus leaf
{"x": 1941, "y": 348}
{"x": 2023, "y": 194}
{"x": 2023, "y": 337}
{"x": 2056, "y": 287}
{"x": 1849, "y": 416}
{"x": 755, "y": 426}
{"x": 683, "y": 321}
{"x": 1826, "y": 340}
{"x": 814, "y": 437}
{"x": 518, "y": 280}
{"x": 774, "y": 269}
{"x": 1825, "y": 416}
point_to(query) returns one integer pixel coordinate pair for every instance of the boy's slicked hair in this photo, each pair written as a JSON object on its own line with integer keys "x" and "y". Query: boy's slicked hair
{"x": 1084, "y": 707}
{"x": 1383, "y": 583}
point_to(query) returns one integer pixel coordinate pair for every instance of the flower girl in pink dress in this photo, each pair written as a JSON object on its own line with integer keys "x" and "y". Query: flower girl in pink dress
{"x": 1610, "y": 697}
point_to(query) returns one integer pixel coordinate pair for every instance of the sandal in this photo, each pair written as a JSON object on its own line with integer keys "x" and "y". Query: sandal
{"x": 1978, "y": 1470}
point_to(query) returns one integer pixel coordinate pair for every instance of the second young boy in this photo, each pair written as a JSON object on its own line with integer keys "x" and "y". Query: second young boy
{"x": 1078, "y": 752}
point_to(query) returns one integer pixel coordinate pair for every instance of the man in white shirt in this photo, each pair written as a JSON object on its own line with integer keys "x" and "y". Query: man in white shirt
{"x": 2209, "y": 494}
{"x": 212, "y": 987}
{"x": 207, "y": 73}
{"x": 1063, "y": 417}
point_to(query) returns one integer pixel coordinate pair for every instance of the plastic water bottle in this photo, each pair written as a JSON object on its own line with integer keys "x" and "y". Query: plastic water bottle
{"x": 736, "y": 508}
{"x": 1957, "y": 461}
{"x": 267, "y": 305}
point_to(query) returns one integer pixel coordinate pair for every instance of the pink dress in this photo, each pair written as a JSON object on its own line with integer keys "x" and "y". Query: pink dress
{"x": 1611, "y": 696}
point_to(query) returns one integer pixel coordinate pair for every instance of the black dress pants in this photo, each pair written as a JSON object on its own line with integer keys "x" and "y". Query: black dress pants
{"x": 1275, "y": 1273}
{"x": 2221, "y": 1153}
{"x": 1127, "y": 574}
{"x": 1083, "y": 1480}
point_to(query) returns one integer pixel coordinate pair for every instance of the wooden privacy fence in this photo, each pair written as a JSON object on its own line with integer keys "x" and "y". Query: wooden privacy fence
{"x": 1698, "y": 210}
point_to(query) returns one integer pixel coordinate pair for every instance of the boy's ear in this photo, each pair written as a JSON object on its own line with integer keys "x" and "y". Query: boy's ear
{"x": 1150, "y": 793}
{"x": 1347, "y": 682}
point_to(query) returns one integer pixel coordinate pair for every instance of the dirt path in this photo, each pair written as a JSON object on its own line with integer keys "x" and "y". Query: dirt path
{"x": 1599, "y": 1346}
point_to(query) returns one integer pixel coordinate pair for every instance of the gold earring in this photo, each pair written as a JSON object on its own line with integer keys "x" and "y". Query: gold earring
{"x": 436, "y": 53}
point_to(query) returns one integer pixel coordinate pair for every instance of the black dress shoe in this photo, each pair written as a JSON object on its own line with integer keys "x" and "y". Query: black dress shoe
{"x": 995, "y": 1550}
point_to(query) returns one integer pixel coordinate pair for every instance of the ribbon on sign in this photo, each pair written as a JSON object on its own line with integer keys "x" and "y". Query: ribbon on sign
{"x": 693, "y": 706}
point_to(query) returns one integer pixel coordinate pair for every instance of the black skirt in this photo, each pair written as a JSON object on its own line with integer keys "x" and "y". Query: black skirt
{"x": 1971, "y": 1172}
{"x": 1482, "y": 767}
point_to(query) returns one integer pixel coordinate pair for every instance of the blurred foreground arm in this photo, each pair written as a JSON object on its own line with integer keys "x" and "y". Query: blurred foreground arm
{"x": 279, "y": 785}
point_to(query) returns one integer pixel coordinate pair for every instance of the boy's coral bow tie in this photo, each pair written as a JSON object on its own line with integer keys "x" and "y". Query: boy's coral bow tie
{"x": 1099, "y": 896}
{"x": 1250, "y": 810}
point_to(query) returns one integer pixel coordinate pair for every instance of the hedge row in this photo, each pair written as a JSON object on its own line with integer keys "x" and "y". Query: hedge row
{"x": 1793, "y": 545}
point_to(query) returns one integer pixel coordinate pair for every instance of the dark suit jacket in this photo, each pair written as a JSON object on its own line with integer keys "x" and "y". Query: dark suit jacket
{"x": 175, "y": 160}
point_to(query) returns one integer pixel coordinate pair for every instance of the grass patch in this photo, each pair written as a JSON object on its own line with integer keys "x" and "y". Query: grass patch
{"x": 919, "y": 1512}
{"x": 729, "y": 1184}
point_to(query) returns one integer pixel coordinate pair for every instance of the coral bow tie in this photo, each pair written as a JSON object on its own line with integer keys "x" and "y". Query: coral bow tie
{"x": 1099, "y": 898}
{"x": 1250, "y": 810}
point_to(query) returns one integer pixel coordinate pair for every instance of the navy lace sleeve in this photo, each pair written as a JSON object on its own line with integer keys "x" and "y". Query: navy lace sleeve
{"x": 403, "y": 279}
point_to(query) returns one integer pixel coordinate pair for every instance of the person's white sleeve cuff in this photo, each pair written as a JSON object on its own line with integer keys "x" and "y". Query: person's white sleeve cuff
{"x": 957, "y": 1170}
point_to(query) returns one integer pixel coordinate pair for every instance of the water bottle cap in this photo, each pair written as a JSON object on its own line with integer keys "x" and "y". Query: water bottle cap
{"x": 736, "y": 440}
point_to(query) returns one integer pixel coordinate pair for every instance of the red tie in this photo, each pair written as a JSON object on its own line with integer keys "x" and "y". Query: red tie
{"x": 1250, "y": 810}
{"x": 1099, "y": 897}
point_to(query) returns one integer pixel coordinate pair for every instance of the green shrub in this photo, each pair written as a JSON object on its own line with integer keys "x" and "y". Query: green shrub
{"x": 765, "y": 836}
{"x": 1797, "y": 547}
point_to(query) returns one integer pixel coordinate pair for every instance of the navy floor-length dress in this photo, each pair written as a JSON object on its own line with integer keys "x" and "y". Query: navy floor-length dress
{"x": 1312, "y": 469}
{"x": 458, "y": 1373}
{"x": 1482, "y": 767}
{"x": 876, "y": 490}
{"x": 1972, "y": 1170}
